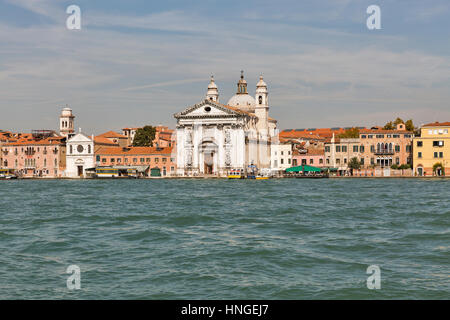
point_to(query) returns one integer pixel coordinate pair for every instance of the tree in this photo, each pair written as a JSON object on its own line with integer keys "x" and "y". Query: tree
{"x": 410, "y": 125}
{"x": 437, "y": 166}
{"x": 144, "y": 137}
{"x": 398, "y": 121}
{"x": 354, "y": 164}
{"x": 350, "y": 133}
{"x": 394, "y": 166}
{"x": 389, "y": 126}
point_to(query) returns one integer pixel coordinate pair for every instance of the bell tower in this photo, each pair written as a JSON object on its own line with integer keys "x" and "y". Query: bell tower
{"x": 213, "y": 91}
{"x": 66, "y": 122}
{"x": 262, "y": 104}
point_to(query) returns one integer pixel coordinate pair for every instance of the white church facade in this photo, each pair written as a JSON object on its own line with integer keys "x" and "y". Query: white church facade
{"x": 215, "y": 138}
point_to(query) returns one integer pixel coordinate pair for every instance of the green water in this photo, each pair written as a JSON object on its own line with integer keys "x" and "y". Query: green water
{"x": 225, "y": 239}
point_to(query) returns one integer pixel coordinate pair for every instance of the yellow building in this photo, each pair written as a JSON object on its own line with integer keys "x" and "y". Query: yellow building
{"x": 432, "y": 150}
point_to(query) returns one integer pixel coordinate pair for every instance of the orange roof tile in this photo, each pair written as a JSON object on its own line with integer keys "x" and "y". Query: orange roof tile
{"x": 112, "y": 134}
{"x": 102, "y": 140}
{"x": 437, "y": 124}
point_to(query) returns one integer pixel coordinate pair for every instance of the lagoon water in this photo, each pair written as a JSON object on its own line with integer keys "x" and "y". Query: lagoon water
{"x": 225, "y": 239}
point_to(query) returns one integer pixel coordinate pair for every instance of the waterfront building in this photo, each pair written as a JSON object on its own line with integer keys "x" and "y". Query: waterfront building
{"x": 383, "y": 148}
{"x": 432, "y": 150}
{"x": 213, "y": 138}
{"x": 39, "y": 154}
{"x": 311, "y": 156}
{"x": 143, "y": 159}
{"x": 339, "y": 151}
{"x": 80, "y": 155}
{"x": 281, "y": 156}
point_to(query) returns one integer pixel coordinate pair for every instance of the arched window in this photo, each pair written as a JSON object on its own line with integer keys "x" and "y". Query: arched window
{"x": 45, "y": 163}
{"x": 379, "y": 147}
{"x": 260, "y": 99}
{"x": 71, "y": 149}
{"x": 56, "y": 162}
{"x": 89, "y": 148}
{"x": 5, "y": 163}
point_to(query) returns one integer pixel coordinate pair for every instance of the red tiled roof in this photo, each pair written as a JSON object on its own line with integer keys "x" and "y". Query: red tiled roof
{"x": 102, "y": 140}
{"x": 112, "y": 134}
{"x": 438, "y": 124}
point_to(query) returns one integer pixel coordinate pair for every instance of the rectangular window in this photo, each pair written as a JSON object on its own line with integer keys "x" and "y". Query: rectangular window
{"x": 408, "y": 148}
{"x": 435, "y": 154}
{"x": 289, "y": 161}
{"x": 363, "y": 136}
{"x": 438, "y": 143}
{"x": 321, "y": 161}
{"x": 126, "y": 160}
{"x": 112, "y": 160}
{"x": 147, "y": 160}
{"x": 420, "y": 143}
{"x": 134, "y": 159}
{"x": 303, "y": 162}
{"x": 344, "y": 148}
{"x": 441, "y": 154}
{"x": 372, "y": 161}
{"x": 397, "y": 148}
{"x": 345, "y": 160}
{"x": 362, "y": 161}
{"x": 311, "y": 161}
{"x": 397, "y": 160}
{"x": 355, "y": 148}
{"x": 338, "y": 148}
{"x": 328, "y": 161}
{"x": 119, "y": 160}
{"x": 282, "y": 161}
{"x": 104, "y": 160}
{"x": 327, "y": 148}
{"x": 419, "y": 155}
{"x": 338, "y": 161}
{"x": 142, "y": 160}
{"x": 361, "y": 149}
{"x": 372, "y": 149}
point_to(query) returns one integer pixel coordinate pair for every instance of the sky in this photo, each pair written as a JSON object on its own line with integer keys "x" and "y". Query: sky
{"x": 138, "y": 62}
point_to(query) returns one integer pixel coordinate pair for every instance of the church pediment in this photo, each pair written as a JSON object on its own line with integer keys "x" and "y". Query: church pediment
{"x": 79, "y": 137}
{"x": 211, "y": 109}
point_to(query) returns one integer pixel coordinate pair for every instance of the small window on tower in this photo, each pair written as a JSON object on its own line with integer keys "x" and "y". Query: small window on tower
{"x": 260, "y": 99}
{"x": 207, "y": 109}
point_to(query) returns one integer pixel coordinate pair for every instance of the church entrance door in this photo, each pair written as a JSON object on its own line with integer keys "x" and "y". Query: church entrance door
{"x": 80, "y": 171}
{"x": 209, "y": 161}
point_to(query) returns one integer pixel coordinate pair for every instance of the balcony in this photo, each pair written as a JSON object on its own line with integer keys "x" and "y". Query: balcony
{"x": 384, "y": 152}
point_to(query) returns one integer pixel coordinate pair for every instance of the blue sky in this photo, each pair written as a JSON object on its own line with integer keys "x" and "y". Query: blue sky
{"x": 139, "y": 62}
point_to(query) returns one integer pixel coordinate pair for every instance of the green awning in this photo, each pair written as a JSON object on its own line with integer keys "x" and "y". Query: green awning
{"x": 304, "y": 168}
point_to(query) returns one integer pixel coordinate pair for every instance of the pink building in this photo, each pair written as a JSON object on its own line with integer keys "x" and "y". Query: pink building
{"x": 40, "y": 154}
{"x": 311, "y": 157}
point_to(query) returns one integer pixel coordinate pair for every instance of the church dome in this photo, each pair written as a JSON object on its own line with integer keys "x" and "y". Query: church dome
{"x": 242, "y": 101}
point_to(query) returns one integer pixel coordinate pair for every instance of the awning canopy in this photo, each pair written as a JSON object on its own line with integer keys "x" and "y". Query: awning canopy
{"x": 304, "y": 168}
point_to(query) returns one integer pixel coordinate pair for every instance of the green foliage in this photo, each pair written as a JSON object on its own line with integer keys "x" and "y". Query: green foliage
{"x": 437, "y": 165}
{"x": 404, "y": 166}
{"x": 350, "y": 133}
{"x": 144, "y": 137}
{"x": 389, "y": 126}
{"x": 392, "y": 125}
{"x": 354, "y": 163}
{"x": 394, "y": 166}
{"x": 410, "y": 125}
